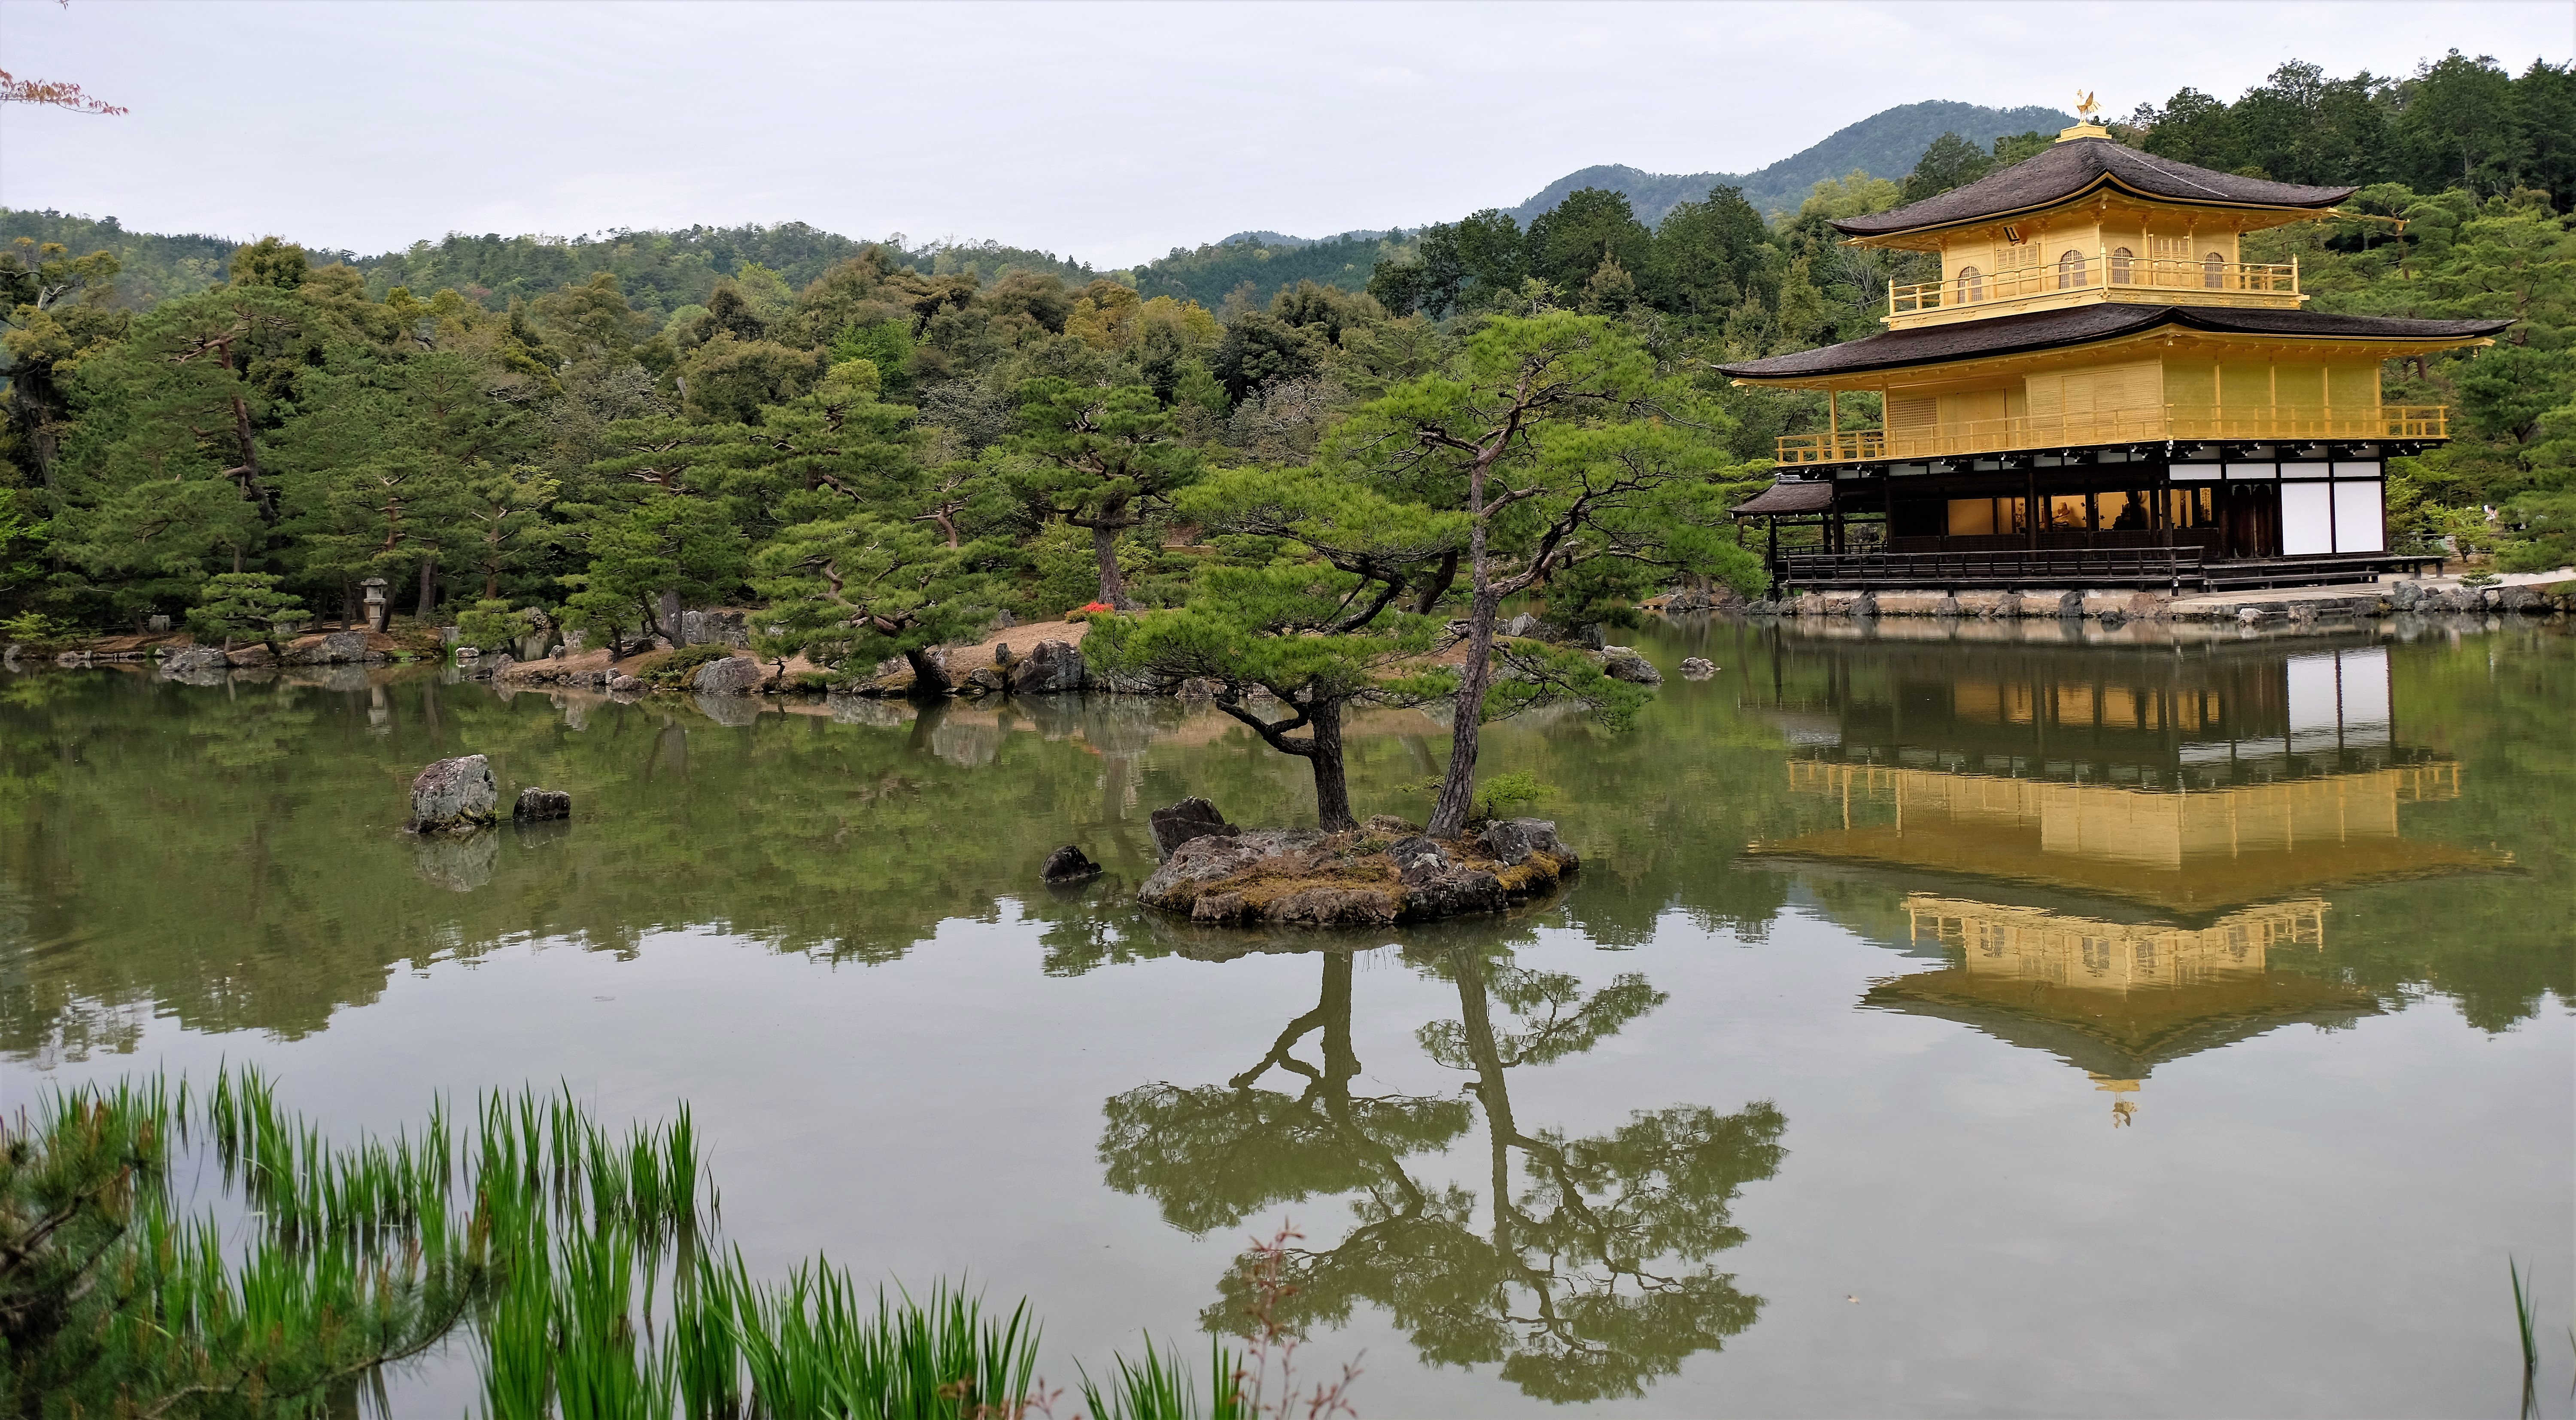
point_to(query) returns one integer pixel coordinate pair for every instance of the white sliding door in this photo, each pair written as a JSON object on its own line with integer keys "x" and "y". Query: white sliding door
{"x": 2358, "y": 522}
{"x": 2307, "y": 519}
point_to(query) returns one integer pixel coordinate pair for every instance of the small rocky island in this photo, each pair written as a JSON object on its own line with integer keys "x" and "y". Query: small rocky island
{"x": 1386, "y": 872}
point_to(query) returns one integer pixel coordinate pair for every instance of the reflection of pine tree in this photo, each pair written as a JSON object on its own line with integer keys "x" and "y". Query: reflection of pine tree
{"x": 1593, "y": 1276}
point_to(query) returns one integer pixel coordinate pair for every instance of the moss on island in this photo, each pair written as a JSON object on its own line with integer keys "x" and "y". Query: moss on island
{"x": 1381, "y": 874}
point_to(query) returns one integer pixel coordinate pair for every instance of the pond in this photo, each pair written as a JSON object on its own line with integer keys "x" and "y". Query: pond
{"x": 2016, "y": 1020}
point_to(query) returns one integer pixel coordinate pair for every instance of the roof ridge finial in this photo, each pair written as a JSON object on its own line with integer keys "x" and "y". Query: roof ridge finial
{"x": 2086, "y": 124}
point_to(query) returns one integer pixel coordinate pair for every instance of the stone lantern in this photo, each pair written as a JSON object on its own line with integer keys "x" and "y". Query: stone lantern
{"x": 376, "y": 610}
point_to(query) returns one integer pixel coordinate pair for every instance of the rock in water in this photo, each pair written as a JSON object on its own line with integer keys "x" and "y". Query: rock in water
{"x": 1697, "y": 668}
{"x": 1190, "y": 818}
{"x": 1068, "y": 865}
{"x": 539, "y": 804}
{"x": 1051, "y": 668}
{"x": 1513, "y": 840}
{"x": 1623, "y": 663}
{"x": 734, "y": 675}
{"x": 453, "y": 795}
{"x": 192, "y": 660}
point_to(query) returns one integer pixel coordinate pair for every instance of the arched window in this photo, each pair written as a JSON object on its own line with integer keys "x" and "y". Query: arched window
{"x": 1972, "y": 285}
{"x": 2070, "y": 270}
{"x": 2120, "y": 258}
{"x": 2213, "y": 271}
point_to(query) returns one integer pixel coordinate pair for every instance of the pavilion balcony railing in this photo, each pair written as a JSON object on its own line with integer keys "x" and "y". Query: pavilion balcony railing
{"x": 2150, "y": 278}
{"x": 2117, "y": 426}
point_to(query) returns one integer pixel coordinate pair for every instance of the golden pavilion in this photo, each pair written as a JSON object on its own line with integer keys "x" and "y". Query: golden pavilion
{"x": 2101, "y": 391}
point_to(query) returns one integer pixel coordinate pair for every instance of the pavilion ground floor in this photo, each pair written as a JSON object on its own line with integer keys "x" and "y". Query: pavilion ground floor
{"x": 2192, "y": 519}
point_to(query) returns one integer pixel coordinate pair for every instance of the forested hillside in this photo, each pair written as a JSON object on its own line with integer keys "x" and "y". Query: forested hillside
{"x": 1882, "y": 145}
{"x": 589, "y": 428}
{"x": 661, "y": 272}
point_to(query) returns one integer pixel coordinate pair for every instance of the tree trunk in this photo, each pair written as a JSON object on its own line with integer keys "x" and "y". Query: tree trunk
{"x": 1458, "y": 785}
{"x": 929, "y": 678}
{"x": 348, "y": 604}
{"x": 428, "y": 587}
{"x": 673, "y": 630}
{"x": 1332, "y": 785}
{"x": 1438, "y": 586}
{"x": 1104, "y": 545}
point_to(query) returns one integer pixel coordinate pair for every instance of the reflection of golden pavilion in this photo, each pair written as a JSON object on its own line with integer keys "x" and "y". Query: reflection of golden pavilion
{"x": 2117, "y": 999}
{"x": 2183, "y": 850}
{"x": 2165, "y": 822}
{"x": 2188, "y": 786}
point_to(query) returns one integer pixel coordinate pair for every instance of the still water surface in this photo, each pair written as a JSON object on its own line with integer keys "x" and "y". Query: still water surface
{"x": 1960, "y": 1025}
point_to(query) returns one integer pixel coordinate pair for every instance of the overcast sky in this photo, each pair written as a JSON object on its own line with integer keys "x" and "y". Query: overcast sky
{"x": 1107, "y": 132}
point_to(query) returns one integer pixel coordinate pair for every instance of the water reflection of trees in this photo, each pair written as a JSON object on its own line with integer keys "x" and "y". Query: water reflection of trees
{"x": 1591, "y": 1268}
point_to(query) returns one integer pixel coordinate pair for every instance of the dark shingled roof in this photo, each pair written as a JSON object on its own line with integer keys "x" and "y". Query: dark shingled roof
{"x": 1790, "y": 498}
{"x": 2083, "y": 325}
{"x": 2074, "y": 168}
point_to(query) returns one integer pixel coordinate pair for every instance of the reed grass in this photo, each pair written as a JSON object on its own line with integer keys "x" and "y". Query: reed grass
{"x": 574, "y": 1257}
{"x": 1160, "y": 1387}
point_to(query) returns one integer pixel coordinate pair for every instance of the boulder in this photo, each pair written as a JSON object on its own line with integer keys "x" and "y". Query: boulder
{"x": 2069, "y": 603}
{"x": 1189, "y": 819}
{"x": 537, "y": 805}
{"x": 1437, "y": 885}
{"x": 1201, "y": 688}
{"x": 192, "y": 660}
{"x": 1698, "y": 668}
{"x": 1623, "y": 663}
{"x": 1521, "y": 625}
{"x": 1197, "y": 862}
{"x": 2519, "y": 598}
{"x": 1513, "y": 840}
{"x": 453, "y": 795}
{"x": 336, "y": 649}
{"x": 1068, "y": 865}
{"x": 2404, "y": 595}
{"x": 1051, "y": 668}
{"x": 245, "y": 657}
{"x": 714, "y": 628}
{"x": 620, "y": 683}
{"x": 982, "y": 681}
{"x": 734, "y": 675}
{"x": 1392, "y": 826}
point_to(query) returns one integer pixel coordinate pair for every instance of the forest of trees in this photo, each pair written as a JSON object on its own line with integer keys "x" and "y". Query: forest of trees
{"x": 598, "y": 427}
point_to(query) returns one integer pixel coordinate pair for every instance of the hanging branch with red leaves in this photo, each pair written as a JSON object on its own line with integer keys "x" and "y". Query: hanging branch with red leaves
{"x": 54, "y": 94}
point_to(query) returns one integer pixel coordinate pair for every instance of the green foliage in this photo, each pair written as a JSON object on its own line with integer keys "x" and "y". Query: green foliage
{"x": 2456, "y": 121}
{"x": 243, "y": 606}
{"x": 492, "y": 624}
{"x": 1501, "y": 796}
{"x": 1160, "y": 1387}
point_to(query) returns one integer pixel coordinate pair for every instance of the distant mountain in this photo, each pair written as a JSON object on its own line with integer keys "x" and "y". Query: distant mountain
{"x": 1883, "y": 145}
{"x": 1282, "y": 241}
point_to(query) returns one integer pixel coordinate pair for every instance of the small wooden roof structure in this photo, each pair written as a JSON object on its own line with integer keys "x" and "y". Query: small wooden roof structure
{"x": 1788, "y": 498}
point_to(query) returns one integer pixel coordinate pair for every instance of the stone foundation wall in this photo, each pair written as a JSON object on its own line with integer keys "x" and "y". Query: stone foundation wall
{"x": 2116, "y": 605}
